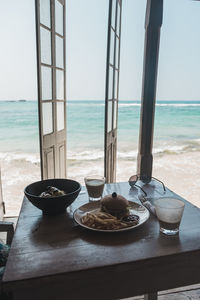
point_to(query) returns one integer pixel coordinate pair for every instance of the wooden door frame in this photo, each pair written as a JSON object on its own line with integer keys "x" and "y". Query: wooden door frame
{"x": 56, "y": 137}
{"x": 110, "y": 138}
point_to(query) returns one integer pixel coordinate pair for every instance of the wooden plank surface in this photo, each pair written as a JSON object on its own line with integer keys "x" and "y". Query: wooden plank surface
{"x": 53, "y": 251}
{"x": 191, "y": 292}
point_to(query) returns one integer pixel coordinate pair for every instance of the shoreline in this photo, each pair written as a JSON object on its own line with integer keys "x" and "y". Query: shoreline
{"x": 179, "y": 172}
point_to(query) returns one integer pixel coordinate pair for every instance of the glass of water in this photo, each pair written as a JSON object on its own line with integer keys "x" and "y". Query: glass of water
{"x": 169, "y": 212}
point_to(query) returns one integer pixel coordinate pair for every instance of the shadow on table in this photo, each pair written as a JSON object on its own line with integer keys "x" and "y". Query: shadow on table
{"x": 62, "y": 231}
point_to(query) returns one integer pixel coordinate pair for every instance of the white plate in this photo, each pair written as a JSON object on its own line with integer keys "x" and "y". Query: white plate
{"x": 135, "y": 208}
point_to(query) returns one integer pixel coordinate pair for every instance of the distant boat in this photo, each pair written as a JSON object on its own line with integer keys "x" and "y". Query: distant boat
{"x": 22, "y": 100}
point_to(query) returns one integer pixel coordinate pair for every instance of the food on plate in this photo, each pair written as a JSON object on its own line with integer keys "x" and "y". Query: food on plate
{"x": 114, "y": 214}
{"x": 101, "y": 220}
{"x": 52, "y": 191}
{"x": 115, "y": 205}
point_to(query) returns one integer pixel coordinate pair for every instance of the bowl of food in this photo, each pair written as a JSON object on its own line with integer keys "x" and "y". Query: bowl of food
{"x": 52, "y": 196}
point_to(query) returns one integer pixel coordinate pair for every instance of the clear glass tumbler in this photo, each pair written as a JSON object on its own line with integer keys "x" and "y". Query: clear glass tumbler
{"x": 95, "y": 186}
{"x": 169, "y": 212}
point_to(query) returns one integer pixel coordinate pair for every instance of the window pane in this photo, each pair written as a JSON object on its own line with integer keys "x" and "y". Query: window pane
{"x": 113, "y": 13}
{"x": 59, "y": 17}
{"x": 117, "y": 53}
{"x": 118, "y": 18}
{"x": 115, "y": 115}
{"x": 47, "y": 118}
{"x": 59, "y": 52}
{"x": 45, "y": 40}
{"x": 112, "y": 45}
{"x": 60, "y": 116}
{"x": 46, "y": 83}
{"x": 110, "y": 85}
{"x": 45, "y": 12}
{"x": 59, "y": 85}
{"x": 116, "y": 82}
{"x": 109, "y": 117}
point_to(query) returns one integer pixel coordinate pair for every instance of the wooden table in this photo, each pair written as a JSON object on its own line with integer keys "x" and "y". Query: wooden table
{"x": 54, "y": 258}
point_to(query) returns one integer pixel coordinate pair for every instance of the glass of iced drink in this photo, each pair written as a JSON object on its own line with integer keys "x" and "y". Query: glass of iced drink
{"x": 95, "y": 186}
{"x": 169, "y": 212}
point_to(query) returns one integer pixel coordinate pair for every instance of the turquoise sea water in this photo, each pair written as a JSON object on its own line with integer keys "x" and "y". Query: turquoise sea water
{"x": 177, "y": 128}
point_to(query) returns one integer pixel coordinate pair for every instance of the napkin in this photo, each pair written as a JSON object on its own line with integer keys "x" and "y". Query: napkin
{"x": 147, "y": 204}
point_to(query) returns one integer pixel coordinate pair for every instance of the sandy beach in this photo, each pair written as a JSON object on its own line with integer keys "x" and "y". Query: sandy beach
{"x": 176, "y": 146}
{"x": 179, "y": 172}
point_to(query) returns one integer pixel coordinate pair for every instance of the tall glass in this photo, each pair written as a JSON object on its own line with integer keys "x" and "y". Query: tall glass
{"x": 95, "y": 186}
{"x": 169, "y": 212}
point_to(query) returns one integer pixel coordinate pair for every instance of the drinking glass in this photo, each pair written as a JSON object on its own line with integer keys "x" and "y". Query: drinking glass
{"x": 95, "y": 186}
{"x": 169, "y": 212}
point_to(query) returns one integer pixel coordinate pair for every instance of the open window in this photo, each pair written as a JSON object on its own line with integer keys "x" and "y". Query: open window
{"x": 112, "y": 88}
{"x": 50, "y": 33}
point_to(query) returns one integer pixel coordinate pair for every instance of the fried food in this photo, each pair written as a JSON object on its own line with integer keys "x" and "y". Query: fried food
{"x": 104, "y": 221}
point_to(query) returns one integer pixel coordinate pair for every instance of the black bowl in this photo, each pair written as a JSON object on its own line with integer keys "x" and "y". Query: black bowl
{"x": 53, "y": 205}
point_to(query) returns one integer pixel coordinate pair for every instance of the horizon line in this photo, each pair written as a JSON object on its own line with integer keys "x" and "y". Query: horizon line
{"x": 134, "y": 100}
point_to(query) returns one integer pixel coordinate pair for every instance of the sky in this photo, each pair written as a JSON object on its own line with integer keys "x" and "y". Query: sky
{"x": 86, "y": 38}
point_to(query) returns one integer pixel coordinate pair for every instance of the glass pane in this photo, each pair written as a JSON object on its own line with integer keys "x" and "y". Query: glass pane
{"x": 45, "y": 40}
{"x": 117, "y": 53}
{"x": 113, "y": 13}
{"x": 59, "y": 17}
{"x": 59, "y": 85}
{"x": 115, "y": 115}
{"x": 45, "y": 13}
{"x": 116, "y": 82}
{"x": 47, "y": 118}
{"x": 112, "y": 45}
{"x": 59, "y": 52}
{"x": 118, "y": 18}
{"x": 46, "y": 83}
{"x": 110, "y": 84}
{"x": 60, "y": 116}
{"x": 109, "y": 116}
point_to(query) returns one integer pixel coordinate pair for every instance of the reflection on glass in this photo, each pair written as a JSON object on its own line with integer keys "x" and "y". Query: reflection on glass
{"x": 109, "y": 116}
{"x": 46, "y": 83}
{"x": 59, "y": 52}
{"x": 45, "y": 40}
{"x": 60, "y": 116}
{"x": 112, "y": 45}
{"x": 116, "y": 84}
{"x": 45, "y": 13}
{"x": 115, "y": 115}
{"x": 59, "y": 85}
{"x": 47, "y": 118}
{"x": 110, "y": 83}
{"x": 113, "y": 13}
{"x": 59, "y": 17}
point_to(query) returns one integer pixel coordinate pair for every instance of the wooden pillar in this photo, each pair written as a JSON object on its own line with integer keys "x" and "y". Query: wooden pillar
{"x": 153, "y": 22}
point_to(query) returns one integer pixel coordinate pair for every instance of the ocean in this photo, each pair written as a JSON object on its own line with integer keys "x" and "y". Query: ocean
{"x": 176, "y": 131}
{"x": 177, "y": 128}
